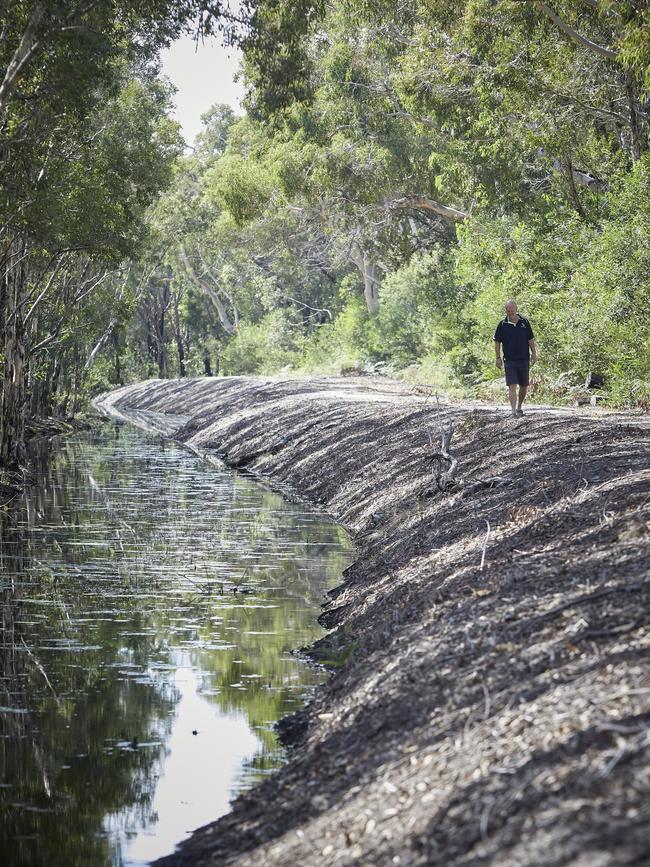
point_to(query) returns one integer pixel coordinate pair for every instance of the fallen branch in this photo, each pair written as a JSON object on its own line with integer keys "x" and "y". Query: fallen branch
{"x": 485, "y": 541}
{"x": 445, "y": 479}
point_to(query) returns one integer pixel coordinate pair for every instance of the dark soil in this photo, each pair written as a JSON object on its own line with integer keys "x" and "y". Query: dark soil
{"x": 491, "y": 703}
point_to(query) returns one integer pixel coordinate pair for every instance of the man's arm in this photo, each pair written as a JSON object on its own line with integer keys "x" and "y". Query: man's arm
{"x": 533, "y": 351}
{"x": 497, "y": 351}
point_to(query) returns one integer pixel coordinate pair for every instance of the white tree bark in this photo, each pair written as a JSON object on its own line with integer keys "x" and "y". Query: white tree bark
{"x": 209, "y": 270}
{"x": 368, "y": 271}
{"x": 428, "y": 204}
{"x": 26, "y": 48}
{"x": 573, "y": 34}
{"x": 212, "y": 294}
{"x": 100, "y": 344}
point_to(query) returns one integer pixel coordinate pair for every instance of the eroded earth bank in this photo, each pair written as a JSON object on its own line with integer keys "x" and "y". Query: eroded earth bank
{"x": 491, "y": 703}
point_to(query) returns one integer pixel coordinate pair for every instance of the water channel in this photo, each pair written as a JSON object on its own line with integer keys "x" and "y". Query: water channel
{"x": 151, "y": 607}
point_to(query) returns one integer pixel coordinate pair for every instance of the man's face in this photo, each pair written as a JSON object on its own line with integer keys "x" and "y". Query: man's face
{"x": 511, "y": 310}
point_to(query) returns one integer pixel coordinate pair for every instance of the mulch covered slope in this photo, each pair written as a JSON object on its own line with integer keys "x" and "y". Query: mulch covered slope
{"x": 494, "y": 715}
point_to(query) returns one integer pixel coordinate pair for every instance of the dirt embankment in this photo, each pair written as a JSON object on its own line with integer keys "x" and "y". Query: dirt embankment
{"x": 492, "y": 702}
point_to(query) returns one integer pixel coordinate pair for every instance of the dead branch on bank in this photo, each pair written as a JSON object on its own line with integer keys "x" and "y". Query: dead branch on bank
{"x": 445, "y": 478}
{"x": 445, "y": 466}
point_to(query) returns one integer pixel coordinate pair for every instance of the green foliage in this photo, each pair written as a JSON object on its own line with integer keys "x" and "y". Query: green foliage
{"x": 307, "y": 234}
{"x": 277, "y": 61}
{"x": 488, "y": 107}
{"x": 587, "y": 289}
{"x": 415, "y": 304}
{"x": 240, "y": 186}
{"x": 343, "y": 343}
{"x": 634, "y": 42}
{"x": 270, "y": 345}
{"x": 97, "y": 202}
{"x": 610, "y": 293}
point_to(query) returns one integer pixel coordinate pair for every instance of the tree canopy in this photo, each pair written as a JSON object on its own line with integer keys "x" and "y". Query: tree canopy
{"x": 399, "y": 172}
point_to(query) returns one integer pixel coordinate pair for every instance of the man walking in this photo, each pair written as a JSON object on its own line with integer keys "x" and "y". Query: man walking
{"x": 519, "y": 352}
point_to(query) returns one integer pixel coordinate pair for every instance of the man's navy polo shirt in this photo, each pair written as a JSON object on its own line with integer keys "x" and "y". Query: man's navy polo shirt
{"x": 514, "y": 337}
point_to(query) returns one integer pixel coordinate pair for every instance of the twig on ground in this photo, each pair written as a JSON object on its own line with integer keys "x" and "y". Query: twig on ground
{"x": 485, "y": 541}
{"x": 583, "y": 600}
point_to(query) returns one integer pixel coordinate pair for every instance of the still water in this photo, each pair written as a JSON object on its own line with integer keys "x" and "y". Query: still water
{"x": 151, "y": 605}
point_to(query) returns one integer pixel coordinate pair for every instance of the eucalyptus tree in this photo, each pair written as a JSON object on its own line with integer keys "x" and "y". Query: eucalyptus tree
{"x": 230, "y": 249}
{"x": 63, "y": 193}
{"x": 511, "y": 99}
{"x": 177, "y": 265}
{"x": 258, "y": 186}
{"x": 61, "y": 164}
{"x": 514, "y": 121}
{"x": 485, "y": 140}
{"x": 346, "y": 156}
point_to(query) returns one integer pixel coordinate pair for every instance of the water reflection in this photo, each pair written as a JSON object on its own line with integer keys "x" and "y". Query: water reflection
{"x": 150, "y": 607}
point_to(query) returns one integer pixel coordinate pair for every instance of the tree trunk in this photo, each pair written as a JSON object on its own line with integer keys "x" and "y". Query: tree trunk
{"x": 573, "y": 192}
{"x": 181, "y": 357}
{"x": 97, "y": 348}
{"x": 22, "y": 55}
{"x": 186, "y": 339}
{"x": 368, "y": 271}
{"x": 37, "y": 388}
{"x": 635, "y": 126}
{"x": 77, "y": 382}
{"x": 159, "y": 324}
{"x": 118, "y": 365}
{"x": 180, "y": 349}
{"x": 12, "y": 423}
{"x": 54, "y": 382}
{"x": 371, "y": 284}
{"x": 213, "y": 294}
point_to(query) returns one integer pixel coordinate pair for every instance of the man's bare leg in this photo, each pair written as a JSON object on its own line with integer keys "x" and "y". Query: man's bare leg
{"x": 512, "y": 395}
{"x": 522, "y": 395}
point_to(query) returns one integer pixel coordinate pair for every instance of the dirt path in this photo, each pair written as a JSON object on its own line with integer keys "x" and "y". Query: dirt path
{"x": 492, "y": 698}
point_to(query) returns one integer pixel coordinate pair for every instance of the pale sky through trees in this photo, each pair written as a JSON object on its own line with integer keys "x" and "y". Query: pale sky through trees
{"x": 203, "y": 75}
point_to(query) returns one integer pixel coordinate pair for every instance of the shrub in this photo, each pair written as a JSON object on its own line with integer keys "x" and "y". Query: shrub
{"x": 273, "y": 343}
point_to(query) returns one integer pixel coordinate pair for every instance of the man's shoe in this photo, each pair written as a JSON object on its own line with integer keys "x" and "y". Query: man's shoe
{"x": 513, "y": 414}
{"x": 519, "y": 412}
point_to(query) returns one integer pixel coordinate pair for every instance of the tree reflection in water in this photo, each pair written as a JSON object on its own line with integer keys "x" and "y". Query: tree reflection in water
{"x": 146, "y": 597}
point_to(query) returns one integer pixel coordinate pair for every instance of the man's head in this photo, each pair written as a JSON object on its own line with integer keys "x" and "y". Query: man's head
{"x": 511, "y": 309}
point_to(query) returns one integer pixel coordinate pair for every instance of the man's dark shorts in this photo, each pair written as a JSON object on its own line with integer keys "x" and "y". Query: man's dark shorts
{"x": 517, "y": 372}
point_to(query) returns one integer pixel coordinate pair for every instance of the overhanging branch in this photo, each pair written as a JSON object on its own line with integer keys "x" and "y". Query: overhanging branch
{"x": 562, "y": 25}
{"x": 26, "y": 48}
{"x": 427, "y": 204}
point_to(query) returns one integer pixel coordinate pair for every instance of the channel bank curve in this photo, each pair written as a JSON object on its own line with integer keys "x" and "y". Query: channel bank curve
{"x": 491, "y": 701}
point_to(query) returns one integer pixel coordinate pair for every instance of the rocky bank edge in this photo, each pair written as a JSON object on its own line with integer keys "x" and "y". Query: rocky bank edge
{"x": 495, "y": 715}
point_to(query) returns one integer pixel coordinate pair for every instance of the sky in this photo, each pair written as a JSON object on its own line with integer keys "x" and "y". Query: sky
{"x": 197, "y": 781}
{"x": 203, "y": 75}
